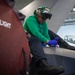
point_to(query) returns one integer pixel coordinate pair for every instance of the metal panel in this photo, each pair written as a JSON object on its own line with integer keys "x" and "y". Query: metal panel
{"x": 61, "y": 56}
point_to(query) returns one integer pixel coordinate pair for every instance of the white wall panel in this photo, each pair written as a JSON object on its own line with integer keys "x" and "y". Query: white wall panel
{"x": 60, "y": 12}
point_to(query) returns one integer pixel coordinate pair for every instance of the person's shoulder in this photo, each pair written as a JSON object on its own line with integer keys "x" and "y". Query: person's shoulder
{"x": 31, "y": 17}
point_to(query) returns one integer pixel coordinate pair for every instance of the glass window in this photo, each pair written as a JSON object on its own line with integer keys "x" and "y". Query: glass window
{"x": 67, "y": 30}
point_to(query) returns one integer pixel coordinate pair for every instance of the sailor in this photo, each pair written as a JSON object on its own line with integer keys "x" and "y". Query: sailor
{"x": 37, "y": 27}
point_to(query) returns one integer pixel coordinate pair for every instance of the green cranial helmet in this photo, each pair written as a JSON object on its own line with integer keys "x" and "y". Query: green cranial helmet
{"x": 44, "y": 12}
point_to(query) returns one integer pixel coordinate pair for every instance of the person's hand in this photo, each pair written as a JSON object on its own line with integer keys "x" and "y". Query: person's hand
{"x": 44, "y": 44}
{"x": 52, "y": 43}
{"x": 57, "y": 38}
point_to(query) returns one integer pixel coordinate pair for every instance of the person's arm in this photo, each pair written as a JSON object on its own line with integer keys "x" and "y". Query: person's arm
{"x": 35, "y": 31}
{"x": 45, "y": 32}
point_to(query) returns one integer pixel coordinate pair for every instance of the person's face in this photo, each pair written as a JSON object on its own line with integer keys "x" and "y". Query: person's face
{"x": 40, "y": 19}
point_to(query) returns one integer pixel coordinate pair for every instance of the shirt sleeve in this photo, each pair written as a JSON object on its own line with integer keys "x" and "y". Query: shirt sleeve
{"x": 35, "y": 31}
{"x": 45, "y": 33}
